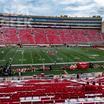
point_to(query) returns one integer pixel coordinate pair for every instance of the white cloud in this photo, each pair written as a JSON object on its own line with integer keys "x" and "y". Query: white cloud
{"x": 27, "y": 7}
{"x": 53, "y": 7}
{"x": 99, "y": 2}
{"x": 66, "y": 2}
{"x": 79, "y": 8}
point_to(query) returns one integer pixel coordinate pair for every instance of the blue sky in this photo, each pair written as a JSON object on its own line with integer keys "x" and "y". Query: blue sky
{"x": 53, "y": 7}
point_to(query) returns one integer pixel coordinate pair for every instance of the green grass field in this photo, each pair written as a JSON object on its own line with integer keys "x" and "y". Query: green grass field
{"x": 32, "y": 55}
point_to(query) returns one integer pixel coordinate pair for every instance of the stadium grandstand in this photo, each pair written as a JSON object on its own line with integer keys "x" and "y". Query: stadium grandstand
{"x": 51, "y": 59}
{"x": 37, "y": 30}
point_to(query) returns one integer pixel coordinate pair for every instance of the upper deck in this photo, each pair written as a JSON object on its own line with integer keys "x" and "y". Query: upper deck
{"x": 50, "y": 21}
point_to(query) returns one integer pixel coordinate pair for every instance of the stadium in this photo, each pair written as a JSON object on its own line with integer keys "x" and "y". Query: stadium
{"x": 51, "y": 59}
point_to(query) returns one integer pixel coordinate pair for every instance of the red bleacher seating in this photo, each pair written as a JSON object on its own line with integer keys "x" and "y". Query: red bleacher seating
{"x": 46, "y": 91}
{"x": 49, "y": 36}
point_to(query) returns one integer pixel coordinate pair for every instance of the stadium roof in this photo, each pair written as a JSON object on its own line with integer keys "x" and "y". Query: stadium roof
{"x": 61, "y": 16}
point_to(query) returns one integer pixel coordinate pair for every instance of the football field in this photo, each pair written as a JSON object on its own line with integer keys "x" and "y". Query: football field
{"x": 40, "y": 55}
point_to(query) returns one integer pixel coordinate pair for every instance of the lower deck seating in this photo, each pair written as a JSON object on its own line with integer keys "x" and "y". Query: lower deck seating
{"x": 49, "y": 36}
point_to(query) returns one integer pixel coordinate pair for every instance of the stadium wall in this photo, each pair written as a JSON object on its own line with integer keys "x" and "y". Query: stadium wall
{"x": 103, "y": 27}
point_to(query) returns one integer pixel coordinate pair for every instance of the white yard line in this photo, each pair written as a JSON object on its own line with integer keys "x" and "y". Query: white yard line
{"x": 6, "y": 54}
{"x": 31, "y": 56}
{"x": 14, "y": 55}
{"x": 22, "y": 56}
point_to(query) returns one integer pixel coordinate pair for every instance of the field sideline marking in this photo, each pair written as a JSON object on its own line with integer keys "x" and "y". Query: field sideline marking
{"x": 56, "y": 63}
{"x": 101, "y": 49}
